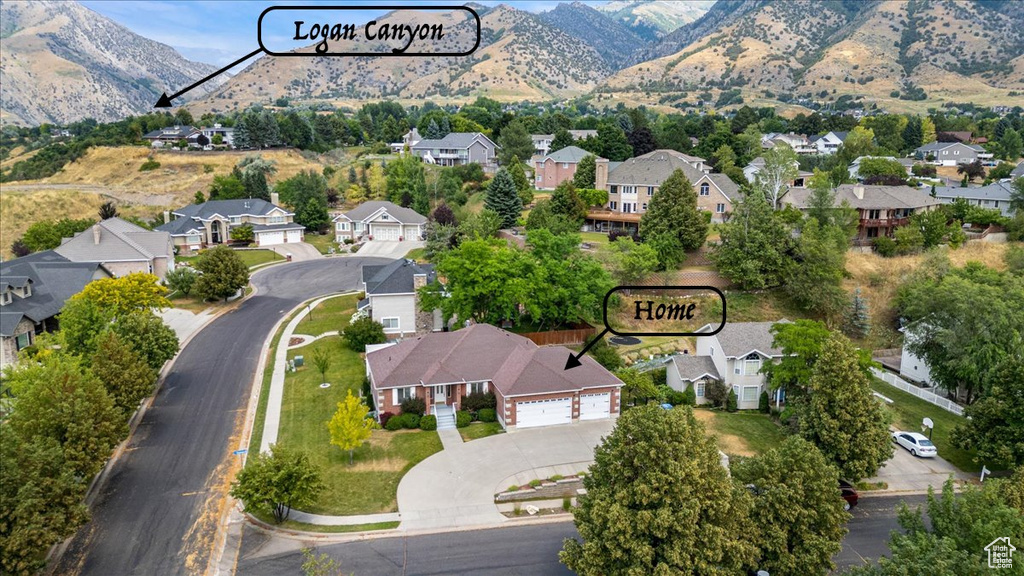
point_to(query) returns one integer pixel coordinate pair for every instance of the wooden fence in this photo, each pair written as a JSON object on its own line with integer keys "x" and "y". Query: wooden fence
{"x": 561, "y": 337}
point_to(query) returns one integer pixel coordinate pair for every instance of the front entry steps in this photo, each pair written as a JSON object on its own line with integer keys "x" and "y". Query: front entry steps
{"x": 445, "y": 416}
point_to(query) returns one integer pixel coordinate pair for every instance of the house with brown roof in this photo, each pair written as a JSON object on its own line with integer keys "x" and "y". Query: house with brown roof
{"x": 530, "y": 383}
{"x": 882, "y": 209}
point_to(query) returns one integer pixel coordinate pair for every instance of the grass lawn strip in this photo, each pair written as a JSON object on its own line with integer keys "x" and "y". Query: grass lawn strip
{"x": 254, "y": 257}
{"x": 320, "y": 241}
{"x": 478, "y": 430}
{"x": 744, "y": 433}
{"x": 908, "y": 411}
{"x": 306, "y": 527}
{"x": 328, "y": 316}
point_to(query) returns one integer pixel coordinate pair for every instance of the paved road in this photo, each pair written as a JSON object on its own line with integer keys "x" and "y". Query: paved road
{"x": 158, "y": 512}
{"x": 528, "y": 550}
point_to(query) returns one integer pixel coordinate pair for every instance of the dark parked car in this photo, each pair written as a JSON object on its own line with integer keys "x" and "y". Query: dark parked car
{"x": 849, "y": 494}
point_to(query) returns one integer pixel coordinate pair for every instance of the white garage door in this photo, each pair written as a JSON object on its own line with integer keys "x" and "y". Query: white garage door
{"x": 271, "y": 238}
{"x": 295, "y": 235}
{"x": 543, "y": 412}
{"x": 381, "y": 232}
{"x": 595, "y": 406}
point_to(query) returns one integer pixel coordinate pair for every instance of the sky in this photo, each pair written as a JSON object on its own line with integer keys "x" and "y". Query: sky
{"x": 220, "y": 31}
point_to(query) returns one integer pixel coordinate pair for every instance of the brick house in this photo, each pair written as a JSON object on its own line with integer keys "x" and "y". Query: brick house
{"x": 557, "y": 167}
{"x": 529, "y": 382}
{"x": 882, "y": 209}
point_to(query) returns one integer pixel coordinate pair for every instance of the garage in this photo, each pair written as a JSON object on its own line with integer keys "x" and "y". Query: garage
{"x": 535, "y": 413}
{"x": 270, "y": 238}
{"x": 383, "y": 232}
{"x": 294, "y": 235}
{"x": 595, "y": 406}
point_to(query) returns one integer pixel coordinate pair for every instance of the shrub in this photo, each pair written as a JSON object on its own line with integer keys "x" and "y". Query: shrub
{"x": 428, "y": 422}
{"x": 148, "y": 165}
{"x": 395, "y": 423}
{"x": 513, "y": 488}
{"x": 368, "y": 394}
{"x": 478, "y": 401}
{"x": 606, "y": 355}
{"x": 415, "y": 406}
{"x": 716, "y": 393}
{"x": 535, "y": 483}
{"x": 556, "y": 478}
{"x": 487, "y": 415}
{"x": 731, "y": 402}
{"x": 566, "y": 503}
{"x": 660, "y": 376}
{"x": 677, "y": 398}
{"x": 362, "y": 332}
{"x": 762, "y": 402}
{"x": 462, "y": 419}
{"x": 385, "y": 417}
{"x": 885, "y": 246}
{"x": 410, "y": 421}
{"x": 690, "y": 396}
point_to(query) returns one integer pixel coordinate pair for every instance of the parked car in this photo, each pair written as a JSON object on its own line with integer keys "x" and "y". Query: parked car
{"x": 849, "y": 494}
{"x": 915, "y": 443}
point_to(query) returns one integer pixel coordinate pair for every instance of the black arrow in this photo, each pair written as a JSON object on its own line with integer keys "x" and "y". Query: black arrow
{"x": 165, "y": 100}
{"x": 574, "y": 359}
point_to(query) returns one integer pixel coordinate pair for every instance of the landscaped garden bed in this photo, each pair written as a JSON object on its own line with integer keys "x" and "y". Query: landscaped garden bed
{"x": 546, "y": 489}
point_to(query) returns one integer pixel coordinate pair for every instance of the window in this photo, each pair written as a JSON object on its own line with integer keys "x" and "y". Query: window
{"x": 403, "y": 394}
{"x": 193, "y": 239}
{"x": 698, "y": 389}
{"x": 343, "y": 226}
{"x": 477, "y": 387}
{"x": 22, "y": 340}
{"x": 565, "y": 164}
{"x": 385, "y": 216}
{"x": 874, "y": 214}
{"x": 645, "y": 206}
{"x": 613, "y": 205}
{"x": 236, "y": 219}
{"x": 720, "y": 208}
{"x": 705, "y": 190}
{"x": 613, "y": 189}
{"x": 357, "y": 226}
{"x": 872, "y": 232}
{"x": 276, "y": 220}
{"x": 390, "y": 323}
{"x": 751, "y": 364}
{"x": 750, "y": 394}
{"x": 629, "y": 189}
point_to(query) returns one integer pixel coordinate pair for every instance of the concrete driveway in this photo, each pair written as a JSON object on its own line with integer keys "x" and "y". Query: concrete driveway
{"x": 456, "y": 487}
{"x": 906, "y": 473}
{"x": 388, "y": 248}
{"x": 299, "y": 250}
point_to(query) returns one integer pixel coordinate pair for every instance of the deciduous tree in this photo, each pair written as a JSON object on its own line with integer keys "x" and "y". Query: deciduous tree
{"x": 815, "y": 281}
{"x": 570, "y": 285}
{"x": 755, "y": 247}
{"x": 148, "y": 335}
{"x": 561, "y": 140}
{"x": 277, "y": 482}
{"x": 567, "y": 203}
{"x": 182, "y": 279}
{"x": 780, "y": 168}
{"x": 363, "y": 331}
{"x": 223, "y": 273}
{"x": 123, "y": 371}
{"x": 994, "y": 425}
{"x": 350, "y": 428}
{"x": 672, "y": 219}
{"x": 130, "y": 293}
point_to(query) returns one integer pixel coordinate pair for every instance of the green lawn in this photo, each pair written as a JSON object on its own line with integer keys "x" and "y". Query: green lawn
{"x": 908, "y": 411}
{"x": 480, "y": 430}
{"x": 333, "y": 314}
{"x": 294, "y": 525}
{"x": 743, "y": 433}
{"x": 321, "y": 241}
{"x": 417, "y": 254}
{"x": 254, "y": 257}
{"x": 597, "y": 238}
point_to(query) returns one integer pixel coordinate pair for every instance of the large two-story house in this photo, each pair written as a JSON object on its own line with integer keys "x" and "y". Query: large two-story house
{"x": 829, "y": 143}
{"x": 882, "y": 209}
{"x": 530, "y": 383}
{"x": 542, "y": 142}
{"x": 392, "y": 300}
{"x": 951, "y": 153}
{"x": 995, "y": 196}
{"x": 122, "y": 248}
{"x": 380, "y": 220}
{"x": 798, "y": 142}
{"x": 458, "y": 148}
{"x": 632, "y": 184}
{"x": 557, "y": 167}
{"x": 33, "y": 290}
{"x": 201, "y": 225}
{"x": 733, "y": 357}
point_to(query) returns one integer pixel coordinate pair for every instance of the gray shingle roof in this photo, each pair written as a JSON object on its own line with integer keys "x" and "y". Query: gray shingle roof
{"x": 741, "y": 338}
{"x": 171, "y": 132}
{"x": 454, "y": 140}
{"x": 118, "y": 240}
{"x": 395, "y": 278}
{"x": 653, "y": 168}
{"x": 54, "y": 280}
{"x": 572, "y": 154}
{"x": 994, "y": 191}
{"x": 479, "y": 353}
{"x": 401, "y": 215}
{"x": 725, "y": 184}
{"x": 1018, "y": 172}
{"x": 695, "y": 367}
{"x": 228, "y": 208}
{"x": 180, "y": 226}
{"x": 875, "y": 197}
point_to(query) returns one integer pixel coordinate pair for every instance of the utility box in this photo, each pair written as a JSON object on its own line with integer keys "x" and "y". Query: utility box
{"x": 299, "y": 361}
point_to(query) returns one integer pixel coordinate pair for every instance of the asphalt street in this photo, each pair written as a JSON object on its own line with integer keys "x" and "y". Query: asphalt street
{"x": 527, "y": 550}
{"x": 158, "y": 511}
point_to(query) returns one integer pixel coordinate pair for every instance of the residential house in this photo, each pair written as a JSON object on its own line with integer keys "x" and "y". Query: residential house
{"x": 882, "y": 209}
{"x": 733, "y": 357}
{"x": 632, "y": 184}
{"x": 913, "y": 367}
{"x": 408, "y": 140}
{"x": 379, "y": 220}
{"x": 122, "y": 248}
{"x": 392, "y": 300}
{"x": 1017, "y": 172}
{"x": 200, "y": 225}
{"x": 755, "y": 166}
{"x": 530, "y": 383}
{"x": 33, "y": 290}
{"x": 951, "y": 153}
{"x": 994, "y": 196}
{"x": 557, "y": 167}
{"x": 907, "y": 163}
{"x": 226, "y": 134}
{"x": 798, "y": 142}
{"x": 170, "y": 135}
{"x": 542, "y": 142}
{"x": 829, "y": 143}
{"x": 457, "y": 148}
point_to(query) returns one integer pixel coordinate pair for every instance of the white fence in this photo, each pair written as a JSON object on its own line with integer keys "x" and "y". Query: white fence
{"x": 897, "y": 382}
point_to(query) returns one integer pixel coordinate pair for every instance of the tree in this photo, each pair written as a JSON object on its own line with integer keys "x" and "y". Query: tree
{"x": 913, "y": 134}
{"x": 631, "y": 262}
{"x": 198, "y": 198}
{"x": 483, "y": 224}
{"x": 815, "y": 281}
{"x": 972, "y": 170}
{"x": 363, "y": 331}
{"x": 406, "y": 178}
{"x": 148, "y": 335}
{"x": 641, "y": 141}
{"x": 840, "y": 415}
{"x": 561, "y": 140}
{"x": 306, "y": 192}
{"x": 243, "y": 233}
{"x": 440, "y": 239}
{"x": 994, "y": 425}
{"x": 47, "y": 234}
{"x": 612, "y": 143}
{"x": 799, "y": 518}
{"x": 857, "y": 322}
{"x": 543, "y": 216}
{"x": 319, "y": 565}
{"x": 222, "y": 273}
{"x": 744, "y": 117}
{"x": 1010, "y": 144}
{"x": 350, "y": 428}
{"x": 881, "y": 167}
{"x": 130, "y": 293}
{"x": 673, "y": 221}
{"x": 780, "y": 168}
{"x": 638, "y": 387}
{"x": 226, "y": 188}
{"x": 859, "y": 142}
{"x": 322, "y": 361}
{"x": 277, "y": 482}
{"x": 572, "y": 284}
{"x": 81, "y": 322}
{"x": 123, "y": 371}
{"x": 605, "y": 355}
{"x": 19, "y": 248}
{"x": 524, "y": 184}
{"x": 256, "y": 129}
{"x": 107, "y": 211}
{"x": 755, "y": 247}
{"x": 503, "y": 198}
{"x": 514, "y": 142}
{"x": 1017, "y": 196}
{"x": 585, "y": 172}
{"x": 444, "y": 216}
{"x": 566, "y": 202}
{"x": 658, "y": 501}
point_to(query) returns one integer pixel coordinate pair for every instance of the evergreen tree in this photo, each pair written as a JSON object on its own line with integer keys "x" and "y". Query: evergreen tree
{"x": 585, "y": 172}
{"x": 446, "y": 126}
{"x": 514, "y": 142}
{"x": 503, "y": 198}
{"x": 613, "y": 143}
{"x": 642, "y": 141}
{"x": 672, "y": 220}
{"x": 198, "y": 198}
{"x": 858, "y": 323}
{"x": 433, "y": 131}
{"x": 561, "y": 140}
{"x": 352, "y": 178}
{"x": 524, "y": 183}
{"x": 913, "y": 134}
{"x": 755, "y": 249}
{"x": 566, "y": 202}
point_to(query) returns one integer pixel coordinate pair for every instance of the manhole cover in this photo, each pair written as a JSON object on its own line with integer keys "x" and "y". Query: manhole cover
{"x": 325, "y": 385}
{"x": 624, "y": 340}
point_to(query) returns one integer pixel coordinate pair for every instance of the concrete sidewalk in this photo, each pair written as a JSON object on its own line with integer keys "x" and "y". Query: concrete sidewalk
{"x": 183, "y": 322}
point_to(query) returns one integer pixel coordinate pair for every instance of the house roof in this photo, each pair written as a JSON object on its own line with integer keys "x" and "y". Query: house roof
{"x": 653, "y": 168}
{"x": 367, "y": 209}
{"x": 54, "y": 279}
{"x": 937, "y": 146}
{"x": 571, "y": 154}
{"x": 1018, "y": 172}
{"x": 579, "y": 134}
{"x": 994, "y": 191}
{"x": 741, "y": 338}
{"x": 118, "y": 240}
{"x": 456, "y": 140}
{"x": 180, "y": 226}
{"x": 395, "y": 278}
{"x": 695, "y": 367}
{"x": 228, "y": 208}
{"x": 481, "y": 352}
{"x": 725, "y": 184}
{"x": 171, "y": 132}
{"x": 906, "y": 162}
{"x": 875, "y": 197}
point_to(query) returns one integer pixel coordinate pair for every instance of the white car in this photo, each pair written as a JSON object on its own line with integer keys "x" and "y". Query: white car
{"x": 915, "y": 443}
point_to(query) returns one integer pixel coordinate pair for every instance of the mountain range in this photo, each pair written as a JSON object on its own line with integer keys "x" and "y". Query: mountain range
{"x": 62, "y": 61}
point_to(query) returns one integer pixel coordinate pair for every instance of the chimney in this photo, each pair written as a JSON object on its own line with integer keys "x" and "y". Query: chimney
{"x": 858, "y": 191}
{"x": 95, "y": 233}
{"x": 275, "y": 198}
{"x": 167, "y": 216}
{"x": 419, "y": 281}
{"x": 601, "y": 173}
